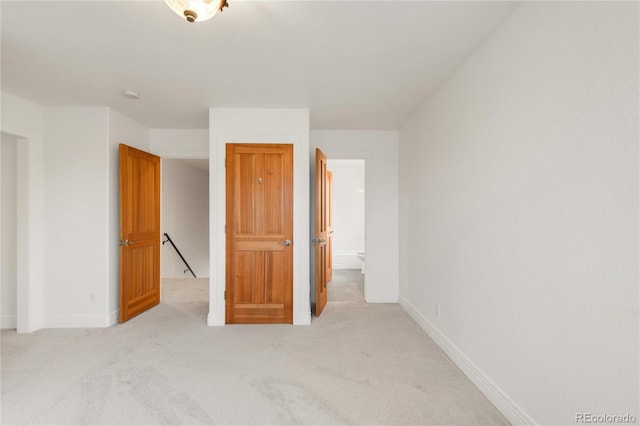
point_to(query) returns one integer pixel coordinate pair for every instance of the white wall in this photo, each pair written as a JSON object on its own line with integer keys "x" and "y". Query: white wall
{"x": 184, "y": 185}
{"x": 24, "y": 119}
{"x": 180, "y": 143}
{"x": 348, "y": 204}
{"x": 77, "y": 216}
{"x": 380, "y": 151}
{"x": 519, "y": 187}
{"x": 123, "y": 130}
{"x": 185, "y": 217}
{"x": 67, "y": 221}
{"x": 82, "y": 213}
{"x": 254, "y": 125}
{"x": 9, "y": 231}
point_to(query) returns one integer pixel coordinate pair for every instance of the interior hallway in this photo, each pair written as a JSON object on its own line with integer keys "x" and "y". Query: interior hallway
{"x": 356, "y": 364}
{"x": 347, "y": 285}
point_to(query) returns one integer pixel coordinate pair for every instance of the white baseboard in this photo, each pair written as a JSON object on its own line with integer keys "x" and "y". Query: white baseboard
{"x": 114, "y": 317}
{"x": 78, "y": 321}
{"x": 502, "y": 401}
{"x": 8, "y": 321}
{"x": 381, "y": 297}
{"x": 214, "y": 320}
{"x": 302, "y": 318}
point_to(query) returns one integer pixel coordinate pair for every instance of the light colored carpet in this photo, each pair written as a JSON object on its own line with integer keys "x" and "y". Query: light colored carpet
{"x": 356, "y": 364}
{"x": 347, "y": 285}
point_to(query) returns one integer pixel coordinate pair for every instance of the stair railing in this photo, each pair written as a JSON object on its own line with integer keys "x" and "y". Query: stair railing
{"x": 179, "y": 254}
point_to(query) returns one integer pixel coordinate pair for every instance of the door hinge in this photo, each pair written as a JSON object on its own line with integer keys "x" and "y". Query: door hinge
{"x": 225, "y": 295}
{"x": 225, "y": 229}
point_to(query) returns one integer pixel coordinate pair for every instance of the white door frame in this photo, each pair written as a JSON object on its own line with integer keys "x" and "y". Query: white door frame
{"x": 353, "y": 155}
{"x": 30, "y": 196}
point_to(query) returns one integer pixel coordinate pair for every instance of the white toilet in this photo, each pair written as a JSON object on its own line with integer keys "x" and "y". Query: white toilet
{"x": 360, "y": 255}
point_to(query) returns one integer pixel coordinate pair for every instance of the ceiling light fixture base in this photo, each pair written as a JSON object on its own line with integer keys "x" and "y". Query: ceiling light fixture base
{"x": 197, "y": 10}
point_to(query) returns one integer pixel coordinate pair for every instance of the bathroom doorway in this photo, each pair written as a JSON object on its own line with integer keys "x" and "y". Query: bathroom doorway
{"x": 348, "y": 254}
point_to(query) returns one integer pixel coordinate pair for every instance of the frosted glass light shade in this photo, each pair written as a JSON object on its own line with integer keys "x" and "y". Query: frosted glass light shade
{"x": 194, "y": 10}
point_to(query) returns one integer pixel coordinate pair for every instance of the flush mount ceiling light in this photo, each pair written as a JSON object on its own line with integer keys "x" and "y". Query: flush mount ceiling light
{"x": 197, "y": 10}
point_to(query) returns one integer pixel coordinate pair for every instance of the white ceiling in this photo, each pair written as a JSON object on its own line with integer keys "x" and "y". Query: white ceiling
{"x": 354, "y": 64}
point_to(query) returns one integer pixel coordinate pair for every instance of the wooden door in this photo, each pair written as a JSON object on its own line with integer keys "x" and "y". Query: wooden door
{"x": 139, "y": 231}
{"x": 321, "y": 231}
{"x": 259, "y": 233}
{"x": 329, "y": 276}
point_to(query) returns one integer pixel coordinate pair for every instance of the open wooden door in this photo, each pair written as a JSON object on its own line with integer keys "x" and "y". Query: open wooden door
{"x": 139, "y": 231}
{"x": 329, "y": 226}
{"x": 259, "y": 233}
{"x": 321, "y": 231}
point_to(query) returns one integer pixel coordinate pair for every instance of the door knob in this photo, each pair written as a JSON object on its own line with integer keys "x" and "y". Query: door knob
{"x": 287, "y": 242}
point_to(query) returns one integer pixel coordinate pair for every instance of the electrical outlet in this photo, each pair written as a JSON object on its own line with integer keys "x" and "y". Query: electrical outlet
{"x": 437, "y": 309}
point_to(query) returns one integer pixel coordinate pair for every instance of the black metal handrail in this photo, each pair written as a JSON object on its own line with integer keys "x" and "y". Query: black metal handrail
{"x": 179, "y": 254}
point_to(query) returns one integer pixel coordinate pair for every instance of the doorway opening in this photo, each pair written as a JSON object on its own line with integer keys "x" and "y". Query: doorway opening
{"x": 184, "y": 218}
{"x": 19, "y": 310}
{"x": 9, "y": 231}
{"x": 348, "y": 238}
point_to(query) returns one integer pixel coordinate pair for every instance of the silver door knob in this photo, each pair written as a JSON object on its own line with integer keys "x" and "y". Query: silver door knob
{"x": 287, "y": 242}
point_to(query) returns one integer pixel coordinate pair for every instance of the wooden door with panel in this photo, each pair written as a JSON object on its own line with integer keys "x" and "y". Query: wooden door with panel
{"x": 321, "y": 232}
{"x": 329, "y": 273}
{"x": 259, "y": 233}
{"x": 139, "y": 231}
